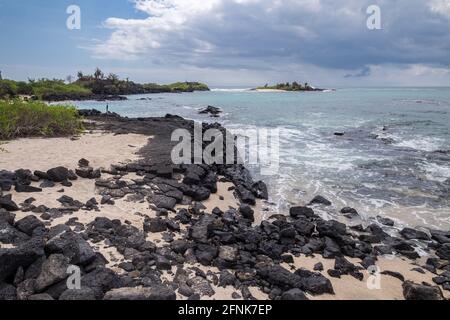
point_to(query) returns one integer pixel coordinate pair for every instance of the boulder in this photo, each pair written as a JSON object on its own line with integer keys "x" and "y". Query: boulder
{"x": 386, "y": 221}
{"x": 320, "y": 200}
{"x": 185, "y": 290}
{"x": 7, "y": 217}
{"x": 332, "y": 249}
{"x": 440, "y": 236}
{"x": 10, "y": 235}
{"x": 413, "y": 291}
{"x": 101, "y": 280}
{"x": 155, "y": 225}
{"x": 200, "y": 231}
{"x": 53, "y": 270}
{"x": 260, "y": 190}
{"x": 28, "y": 224}
{"x": 280, "y": 277}
{"x": 393, "y": 274}
{"x": 294, "y": 295}
{"x": 297, "y": 212}
{"x": 201, "y": 286}
{"x": 247, "y": 212}
{"x": 191, "y": 178}
{"x": 41, "y": 297}
{"x": 140, "y": 293}
{"x": 412, "y": 234}
{"x": 228, "y": 254}
{"x": 73, "y": 246}
{"x": 7, "y": 203}
{"x": 7, "y": 292}
{"x": 212, "y": 111}
{"x": 58, "y": 174}
{"x": 88, "y": 173}
{"x": 22, "y": 256}
{"x": 246, "y": 196}
{"x": 314, "y": 283}
{"x": 180, "y": 246}
{"x": 83, "y": 294}
{"x": 205, "y": 254}
{"x": 163, "y": 202}
{"x": 41, "y": 175}
{"x": 226, "y": 279}
{"x": 21, "y": 188}
{"x": 349, "y": 213}
{"x": 443, "y": 251}
{"x": 304, "y": 227}
{"x": 83, "y": 163}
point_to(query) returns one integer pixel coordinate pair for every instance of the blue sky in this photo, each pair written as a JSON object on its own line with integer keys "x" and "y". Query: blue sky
{"x": 231, "y": 42}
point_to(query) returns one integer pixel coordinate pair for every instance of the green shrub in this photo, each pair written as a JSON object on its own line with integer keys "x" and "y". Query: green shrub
{"x": 31, "y": 119}
{"x": 45, "y": 87}
{"x": 8, "y": 89}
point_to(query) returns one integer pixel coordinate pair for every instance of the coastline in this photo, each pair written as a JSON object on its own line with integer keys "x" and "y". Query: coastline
{"x": 216, "y": 253}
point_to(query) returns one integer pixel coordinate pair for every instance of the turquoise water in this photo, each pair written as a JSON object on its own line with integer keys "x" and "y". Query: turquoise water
{"x": 394, "y": 159}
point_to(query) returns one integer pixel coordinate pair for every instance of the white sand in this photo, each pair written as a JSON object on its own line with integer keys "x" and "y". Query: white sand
{"x": 349, "y": 288}
{"x": 105, "y": 149}
{"x": 101, "y": 149}
{"x": 270, "y": 90}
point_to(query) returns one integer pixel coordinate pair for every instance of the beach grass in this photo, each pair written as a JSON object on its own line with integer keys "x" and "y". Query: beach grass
{"x": 37, "y": 119}
{"x": 44, "y": 88}
{"x": 41, "y": 89}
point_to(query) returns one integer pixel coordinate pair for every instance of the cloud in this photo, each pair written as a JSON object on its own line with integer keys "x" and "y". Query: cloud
{"x": 441, "y": 7}
{"x": 364, "y": 72}
{"x": 268, "y": 34}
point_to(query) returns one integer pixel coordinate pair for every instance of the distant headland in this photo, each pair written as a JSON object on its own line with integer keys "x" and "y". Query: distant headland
{"x": 89, "y": 87}
{"x": 294, "y": 86}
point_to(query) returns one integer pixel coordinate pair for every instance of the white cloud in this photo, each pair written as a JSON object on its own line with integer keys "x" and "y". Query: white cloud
{"x": 440, "y": 6}
{"x": 277, "y": 36}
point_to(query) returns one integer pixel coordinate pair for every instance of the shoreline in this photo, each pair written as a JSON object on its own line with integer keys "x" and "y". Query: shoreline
{"x": 189, "y": 245}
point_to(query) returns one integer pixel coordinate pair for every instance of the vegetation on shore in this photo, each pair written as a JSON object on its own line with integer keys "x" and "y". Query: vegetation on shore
{"x": 40, "y": 89}
{"x": 33, "y": 119}
{"x": 96, "y": 86}
{"x": 294, "y": 86}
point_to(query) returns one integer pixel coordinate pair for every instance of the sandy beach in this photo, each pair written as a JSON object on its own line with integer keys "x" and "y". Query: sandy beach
{"x": 104, "y": 149}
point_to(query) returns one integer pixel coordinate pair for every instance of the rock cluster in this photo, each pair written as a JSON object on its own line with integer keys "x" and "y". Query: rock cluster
{"x": 214, "y": 112}
{"x": 246, "y": 254}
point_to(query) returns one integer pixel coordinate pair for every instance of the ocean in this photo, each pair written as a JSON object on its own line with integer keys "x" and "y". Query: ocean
{"x": 392, "y": 161}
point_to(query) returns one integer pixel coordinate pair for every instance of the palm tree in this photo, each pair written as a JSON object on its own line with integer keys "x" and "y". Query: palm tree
{"x": 98, "y": 74}
{"x": 113, "y": 77}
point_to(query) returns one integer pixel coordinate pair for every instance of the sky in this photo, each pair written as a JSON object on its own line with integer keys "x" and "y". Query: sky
{"x": 231, "y": 42}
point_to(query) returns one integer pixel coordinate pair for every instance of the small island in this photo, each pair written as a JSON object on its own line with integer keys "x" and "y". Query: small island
{"x": 294, "y": 86}
{"x": 89, "y": 87}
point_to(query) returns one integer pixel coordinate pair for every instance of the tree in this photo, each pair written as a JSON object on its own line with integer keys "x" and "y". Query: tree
{"x": 1, "y": 75}
{"x": 80, "y": 75}
{"x": 69, "y": 79}
{"x": 6, "y": 90}
{"x": 98, "y": 74}
{"x": 113, "y": 77}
